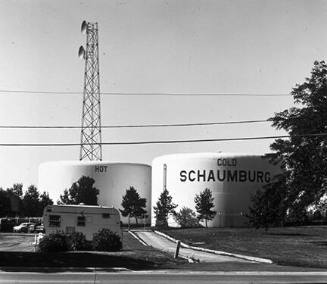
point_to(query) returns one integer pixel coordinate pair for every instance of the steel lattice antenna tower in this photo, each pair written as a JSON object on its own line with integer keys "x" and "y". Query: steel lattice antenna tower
{"x": 91, "y": 148}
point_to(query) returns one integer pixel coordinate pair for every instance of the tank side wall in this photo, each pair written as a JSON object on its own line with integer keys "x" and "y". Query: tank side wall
{"x": 232, "y": 180}
{"x": 112, "y": 180}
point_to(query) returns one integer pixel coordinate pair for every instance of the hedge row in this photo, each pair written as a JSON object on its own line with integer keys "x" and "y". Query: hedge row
{"x": 103, "y": 240}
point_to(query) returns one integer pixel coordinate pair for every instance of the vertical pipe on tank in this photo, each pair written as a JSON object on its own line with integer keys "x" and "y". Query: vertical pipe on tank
{"x": 164, "y": 177}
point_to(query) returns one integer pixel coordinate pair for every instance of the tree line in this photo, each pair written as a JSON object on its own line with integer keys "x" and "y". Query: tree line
{"x": 15, "y": 203}
{"x": 31, "y": 203}
{"x": 186, "y": 217}
{"x": 133, "y": 205}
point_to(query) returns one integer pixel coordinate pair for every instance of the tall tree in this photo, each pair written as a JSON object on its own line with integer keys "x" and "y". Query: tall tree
{"x": 203, "y": 206}
{"x": 304, "y": 154}
{"x": 269, "y": 206}
{"x": 31, "y": 202}
{"x": 44, "y": 201}
{"x": 163, "y": 208}
{"x": 4, "y": 203}
{"x": 81, "y": 191}
{"x": 133, "y": 204}
{"x": 16, "y": 189}
{"x": 15, "y": 194}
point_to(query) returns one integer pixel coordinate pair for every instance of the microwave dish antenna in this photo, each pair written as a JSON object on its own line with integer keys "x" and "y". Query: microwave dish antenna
{"x": 81, "y": 52}
{"x": 84, "y": 27}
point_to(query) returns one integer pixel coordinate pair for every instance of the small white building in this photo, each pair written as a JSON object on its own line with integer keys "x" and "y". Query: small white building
{"x": 80, "y": 218}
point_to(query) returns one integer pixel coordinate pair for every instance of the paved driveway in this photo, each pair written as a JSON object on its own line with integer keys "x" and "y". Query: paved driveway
{"x": 159, "y": 242}
{"x": 16, "y": 242}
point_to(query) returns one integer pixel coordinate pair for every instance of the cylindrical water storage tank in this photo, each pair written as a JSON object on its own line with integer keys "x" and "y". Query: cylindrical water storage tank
{"x": 112, "y": 180}
{"x": 232, "y": 179}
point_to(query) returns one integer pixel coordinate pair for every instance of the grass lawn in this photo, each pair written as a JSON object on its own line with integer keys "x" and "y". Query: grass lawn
{"x": 134, "y": 256}
{"x": 294, "y": 246}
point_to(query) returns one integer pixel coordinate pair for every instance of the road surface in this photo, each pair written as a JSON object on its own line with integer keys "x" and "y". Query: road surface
{"x": 164, "y": 277}
{"x": 159, "y": 242}
{"x": 16, "y": 242}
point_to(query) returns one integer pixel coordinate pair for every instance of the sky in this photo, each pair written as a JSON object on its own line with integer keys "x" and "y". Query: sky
{"x": 154, "y": 47}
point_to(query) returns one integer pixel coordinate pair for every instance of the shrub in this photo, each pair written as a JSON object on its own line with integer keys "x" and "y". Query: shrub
{"x": 186, "y": 218}
{"x": 106, "y": 240}
{"x": 77, "y": 241}
{"x": 7, "y": 224}
{"x": 54, "y": 243}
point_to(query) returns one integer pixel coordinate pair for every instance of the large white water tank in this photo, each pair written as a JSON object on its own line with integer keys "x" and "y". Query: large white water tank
{"x": 112, "y": 180}
{"x": 232, "y": 179}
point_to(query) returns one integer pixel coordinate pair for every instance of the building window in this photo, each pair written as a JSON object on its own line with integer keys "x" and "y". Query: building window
{"x": 81, "y": 221}
{"x": 106, "y": 215}
{"x": 54, "y": 220}
{"x": 70, "y": 230}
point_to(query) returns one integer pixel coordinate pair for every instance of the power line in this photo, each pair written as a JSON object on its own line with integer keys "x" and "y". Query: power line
{"x": 132, "y": 126}
{"x": 147, "y": 94}
{"x": 161, "y": 141}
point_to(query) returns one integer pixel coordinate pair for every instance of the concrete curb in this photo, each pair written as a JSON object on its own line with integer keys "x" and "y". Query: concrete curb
{"x": 50, "y": 269}
{"x": 18, "y": 234}
{"x": 122, "y": 270}
{"x": 250, "y": 258}
{"x": 138, "y": 238}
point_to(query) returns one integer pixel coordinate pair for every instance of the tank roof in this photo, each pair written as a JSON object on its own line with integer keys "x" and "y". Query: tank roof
{"x": 76, "y": 208}
{"x": 205, "y": 155}
{"x": 78, "y": 205}
{"x": 89, "y": 163}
